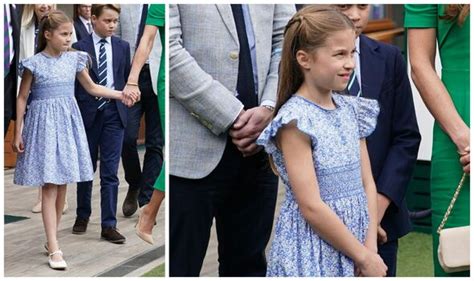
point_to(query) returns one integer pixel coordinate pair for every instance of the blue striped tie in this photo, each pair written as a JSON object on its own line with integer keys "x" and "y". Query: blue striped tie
{"x": 102, "y": 69}
{"x": 354, "y": 87}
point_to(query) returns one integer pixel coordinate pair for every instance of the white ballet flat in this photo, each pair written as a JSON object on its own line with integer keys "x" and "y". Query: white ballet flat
{"x": 57, "y": 264}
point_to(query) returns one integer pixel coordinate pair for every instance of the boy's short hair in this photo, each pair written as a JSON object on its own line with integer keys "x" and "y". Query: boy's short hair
{"x": 97, "y": 9}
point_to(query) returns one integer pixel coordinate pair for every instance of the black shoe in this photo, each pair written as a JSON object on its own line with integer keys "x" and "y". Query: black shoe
{"x": 80, "y": 226}
{"x": 112, "y": 235}
{"x": 130, "y": 204}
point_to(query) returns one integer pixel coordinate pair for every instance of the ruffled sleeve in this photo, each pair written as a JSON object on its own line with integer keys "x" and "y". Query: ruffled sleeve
{"x": 28, "y": 63}
{"x": 82, "y": 60}
{"x": 285, "y": 116}
{"x": 367, "y": 111}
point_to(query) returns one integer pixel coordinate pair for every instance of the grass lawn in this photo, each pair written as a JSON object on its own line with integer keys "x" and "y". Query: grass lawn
{"x": 158, "y": 271}
{"x": 415, "y": 257}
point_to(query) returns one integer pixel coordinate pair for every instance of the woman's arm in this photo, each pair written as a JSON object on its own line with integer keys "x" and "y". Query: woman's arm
{"x": 98, "y": 90}
{"x": 371, "y": 191}
{"x": 422, "y": 51}
{"x": 296, "y": 148}
{"x": 21, "y": 101}
{"x": 141, "y": 55}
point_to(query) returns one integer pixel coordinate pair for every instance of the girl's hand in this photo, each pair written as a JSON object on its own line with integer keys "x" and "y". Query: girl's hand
{"x": 127, "y": 101}
{"x": 17, "y": 145}
{"x": 371, "y": 265}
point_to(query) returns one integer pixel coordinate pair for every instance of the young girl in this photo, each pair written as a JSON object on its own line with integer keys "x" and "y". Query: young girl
{"x": 327, "y": 224}
{"x": 51, "y": 142}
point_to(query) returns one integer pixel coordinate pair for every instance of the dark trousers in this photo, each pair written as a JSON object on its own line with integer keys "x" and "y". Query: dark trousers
{"x": 9, "y": 99}
{"x": 105, "y": 138}
{"x": 388, "y": 252}
{"x": 241, "y": 195}
{"x": 134, "y": 175}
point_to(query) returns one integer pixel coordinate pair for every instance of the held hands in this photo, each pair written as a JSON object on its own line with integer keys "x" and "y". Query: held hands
{"x": 247, "y": 127}
{"x": 131, "y": 95}
{"x": 18, "y": 145}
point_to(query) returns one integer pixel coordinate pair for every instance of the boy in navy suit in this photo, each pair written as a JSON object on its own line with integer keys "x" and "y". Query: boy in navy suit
{"x": 381, "y": 74}
{"x": 104, "y": 119}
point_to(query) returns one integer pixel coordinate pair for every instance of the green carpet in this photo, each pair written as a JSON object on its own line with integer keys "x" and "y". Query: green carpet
{"x": 415, "y": 258}
{"x": 11, "y": 219}
{"x": 158, "y": 271}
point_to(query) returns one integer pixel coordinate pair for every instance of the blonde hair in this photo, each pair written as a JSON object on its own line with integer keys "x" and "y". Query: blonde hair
{"x": 459, "y": 11}
{"x": 307, "y": 30}
{"x": 50, "y": 23}
{"x": 28, "y": 15}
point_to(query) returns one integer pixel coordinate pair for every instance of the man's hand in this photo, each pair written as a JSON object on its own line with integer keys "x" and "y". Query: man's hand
{"x": 247, "y": 127}
{"x": 381, "y": 235}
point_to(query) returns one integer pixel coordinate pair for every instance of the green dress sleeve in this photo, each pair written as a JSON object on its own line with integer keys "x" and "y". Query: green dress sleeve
{"x": 156, "y": 17}
{"x": 421, "y": 16}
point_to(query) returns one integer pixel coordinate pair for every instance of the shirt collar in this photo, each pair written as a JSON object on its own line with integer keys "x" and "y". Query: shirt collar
{"x": 357, "y": 44}
{"x": 96, "y": 38}
{"x": 84, "y": 21}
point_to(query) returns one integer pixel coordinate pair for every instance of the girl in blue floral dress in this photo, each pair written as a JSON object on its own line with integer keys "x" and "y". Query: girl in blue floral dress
{"x": 327, "y": 224}
{"x": 50, "y": 140}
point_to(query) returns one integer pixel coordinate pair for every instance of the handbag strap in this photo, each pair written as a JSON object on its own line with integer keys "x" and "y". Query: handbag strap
{"x": 451, "y": 204}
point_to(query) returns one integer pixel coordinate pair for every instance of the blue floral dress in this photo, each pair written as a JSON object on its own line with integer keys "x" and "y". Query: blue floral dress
{"x": 297, "y": 250}
{"x": 56, "y": 148}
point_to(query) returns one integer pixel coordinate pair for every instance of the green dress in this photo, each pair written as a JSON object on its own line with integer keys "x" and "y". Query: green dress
{"x": 156, "y": 17}
{"x": 446, "y": 171}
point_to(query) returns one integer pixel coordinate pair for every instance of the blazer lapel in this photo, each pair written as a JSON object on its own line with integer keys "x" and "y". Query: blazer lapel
{"x": 372, "y": 68}
{"x": 91, "y": 50}
{"x": 226, "y": 13}
{"x": 115, "y": 57}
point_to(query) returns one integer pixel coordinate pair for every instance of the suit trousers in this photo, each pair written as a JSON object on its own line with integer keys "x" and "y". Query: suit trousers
{"x": 105, "y": 138}
{"x": 134, "y": 175}
{"x": 9, "y": 99}
{"x": 388, "y": 252}
{"x": 240, "y": 193}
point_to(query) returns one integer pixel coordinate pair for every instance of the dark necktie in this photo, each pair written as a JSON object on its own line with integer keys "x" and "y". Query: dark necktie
{"x": 245, "y": 83}
{"x": 353, "y": 87}
{"x": 102, "y": 70}
{"x": 89, "y": 28}
{"x": 141, "y": 27}
{"x": 6, "y": 42}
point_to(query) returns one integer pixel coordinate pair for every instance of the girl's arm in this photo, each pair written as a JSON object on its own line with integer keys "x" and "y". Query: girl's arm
{"x": 296, "y": 148}
{"x": 422, "y": 50}
{"x": 95, "y": 89}
{"x": 371, "y": 191}
{"x": 21, "y": 101}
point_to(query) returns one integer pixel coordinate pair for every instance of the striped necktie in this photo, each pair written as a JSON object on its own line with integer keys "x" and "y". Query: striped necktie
{"x": 102, "y": 69}
{"x": 353, "y": 87}
{"x": 6, "y": 44}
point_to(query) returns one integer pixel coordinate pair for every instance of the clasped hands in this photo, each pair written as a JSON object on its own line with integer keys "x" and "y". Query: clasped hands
{"x": 131, "y": 95}
{"x": 247, "y": 127}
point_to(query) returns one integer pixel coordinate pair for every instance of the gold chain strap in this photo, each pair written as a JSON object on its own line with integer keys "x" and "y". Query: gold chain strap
{"x": 451, "y": 204}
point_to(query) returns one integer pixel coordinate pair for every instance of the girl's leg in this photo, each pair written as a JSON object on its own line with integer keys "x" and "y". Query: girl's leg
{"x": 60, "y": 201}
{"x": 150, "y": 211}
{"x": 48, "y": 211}
{"x": 37, "y": 206}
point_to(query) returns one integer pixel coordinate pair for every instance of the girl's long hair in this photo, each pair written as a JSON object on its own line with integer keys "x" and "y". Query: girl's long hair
{"x": 50, "y": 23}
{"x": 28, "y": 15}
{"x": 459, "y": 11}
{"x": 307, "y": 30}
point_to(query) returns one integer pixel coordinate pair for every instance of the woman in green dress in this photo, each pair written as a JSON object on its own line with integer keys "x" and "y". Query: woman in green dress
{"x": 448, "y": 101}
{"x": 155, "y": 22}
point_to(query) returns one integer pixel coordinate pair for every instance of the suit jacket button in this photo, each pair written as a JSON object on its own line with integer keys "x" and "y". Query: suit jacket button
{"x": 234, "y": 55}
{"x": 96, "y": 98}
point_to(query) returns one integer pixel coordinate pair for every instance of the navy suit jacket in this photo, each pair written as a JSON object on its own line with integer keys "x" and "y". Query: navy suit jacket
{"x": 393, "y": 146}
{"x": 81, "y": 30}
{"x": 121, "y": 64}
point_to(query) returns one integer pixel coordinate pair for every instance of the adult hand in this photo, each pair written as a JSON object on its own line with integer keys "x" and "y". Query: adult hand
{"x": 132, "y": 92}
{"x": 372, "y": 265}
{"x": 248, "y": 127}
{"x": 128, "y": 101}
{"x": 465, "y": 160}
{"x": 381, "y": 235}
{"x": 17, "y": 145}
